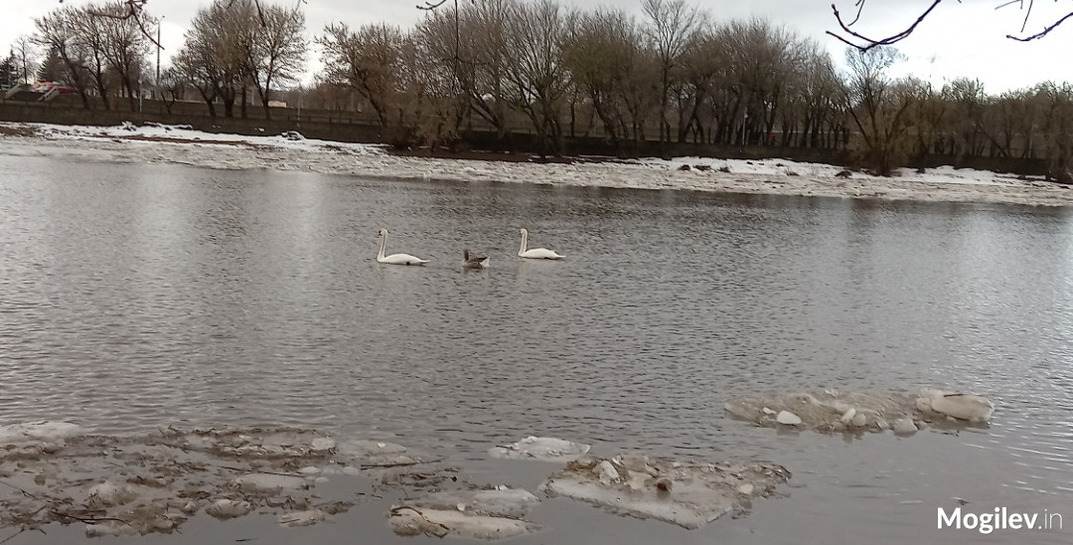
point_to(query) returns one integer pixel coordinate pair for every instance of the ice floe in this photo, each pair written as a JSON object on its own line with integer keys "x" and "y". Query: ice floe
{"x": 688, "y": 494}
{"x": 139, "y": 484}
{"x": 475, "y": 514}
{"x": 834, "y": 411}
{"x": 545, "y": 449}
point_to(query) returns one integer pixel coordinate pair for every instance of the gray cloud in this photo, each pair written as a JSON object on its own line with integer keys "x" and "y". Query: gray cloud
{"x": 965, "y": 39}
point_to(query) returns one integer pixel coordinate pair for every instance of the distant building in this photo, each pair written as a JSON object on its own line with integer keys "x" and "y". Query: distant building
{"x": 42, "y": 91}
{"x": 277, "y": 104}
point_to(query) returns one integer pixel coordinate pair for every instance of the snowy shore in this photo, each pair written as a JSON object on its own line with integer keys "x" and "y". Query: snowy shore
{"x": 160, "y": 144}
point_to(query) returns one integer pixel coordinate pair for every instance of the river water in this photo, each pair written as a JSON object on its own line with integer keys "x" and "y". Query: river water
{"x": 135, "y": 296}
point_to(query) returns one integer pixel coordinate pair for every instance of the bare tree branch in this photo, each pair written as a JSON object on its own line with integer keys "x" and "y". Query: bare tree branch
{"x": 1044, "y": 32}
{"x": 865, "y": 43}
{"x": 429, "y": 6}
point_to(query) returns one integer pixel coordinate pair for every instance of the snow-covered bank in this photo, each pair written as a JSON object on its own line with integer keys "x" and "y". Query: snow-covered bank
{"x": 159, "y": 144}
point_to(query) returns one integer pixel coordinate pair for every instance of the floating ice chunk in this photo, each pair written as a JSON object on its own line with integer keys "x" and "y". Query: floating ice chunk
{"x": 43, "y": 431}
{"x": 607, "y": 472}
{"x": 508, "y": 502}
{"x": 833, "y": 411}
{"x": 412, "y": 521}
{"x": 859, "y": 420}
{"x": 967, "y": 407}
{"x": 905, "y": 426}
{"x": 788, "y": 418}
{"x": 110, "y": 529}
{"x": 637, "y": 480}
{"x": 163, "y": 469}
{"x": 301, "y": 518}
{"x": 281, "y": 443}
{"x": 687, "y": 494}
{"x": 366, "y": 447}
{"x": 545, "y": 449}
{"x": 373, "y": 454}
{"x": 321, "y": 444}
{"x": 266, "y": 482}
{"x": 107, "y": 494}
{"x": 226, "y": 509}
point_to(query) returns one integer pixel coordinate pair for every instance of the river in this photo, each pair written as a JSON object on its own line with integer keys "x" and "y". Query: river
{"x": 135, "y": 296}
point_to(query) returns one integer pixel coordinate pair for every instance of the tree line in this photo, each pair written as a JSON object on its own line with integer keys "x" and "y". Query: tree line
{"x": 670, "y": 74}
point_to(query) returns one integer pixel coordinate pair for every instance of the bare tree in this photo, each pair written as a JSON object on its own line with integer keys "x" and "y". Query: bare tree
{"x": 26, "y": 54}
{"x": 57, "y": 32}
{"x": 536, "y": 33}
{"x": 90, "y": 38}
{"x": 214, "y": 54}
{"x": 877, "y": 104}
{"x": 472, "y": 45}
{"x": 172, "y": 86}
{"x": 367, "y": 60}
{"x": 671, "y": 26}
{"x": 276, "y": 53}
{"x": 124, "y": 45}
{"x": 1056, "y": 104}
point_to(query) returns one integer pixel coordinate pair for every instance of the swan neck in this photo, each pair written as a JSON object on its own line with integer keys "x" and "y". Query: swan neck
{"x": 383, "y": 242}
{"x": 525, "y": 243}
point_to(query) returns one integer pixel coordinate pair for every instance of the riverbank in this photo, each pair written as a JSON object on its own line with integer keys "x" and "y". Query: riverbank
{"x": 292, "y": 152}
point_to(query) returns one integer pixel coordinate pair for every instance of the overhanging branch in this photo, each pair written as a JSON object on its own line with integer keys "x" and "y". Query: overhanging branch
{"x": 864, "y": 43}
{"x": 859, "y": 41}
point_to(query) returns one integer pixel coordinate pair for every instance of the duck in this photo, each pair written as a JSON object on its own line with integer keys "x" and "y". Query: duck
{"x": 394, "y": 259}
{"x": 473, "y": 261}
{"x": 535, "y": 253}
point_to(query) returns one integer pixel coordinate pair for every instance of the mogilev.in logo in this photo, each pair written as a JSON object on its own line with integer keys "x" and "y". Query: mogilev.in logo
{"x": 999, "y": 519}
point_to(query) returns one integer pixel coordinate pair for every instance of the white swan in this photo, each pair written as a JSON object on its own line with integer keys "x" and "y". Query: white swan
{"x": 535, "y": 253}
{"x": 394, "y": 259}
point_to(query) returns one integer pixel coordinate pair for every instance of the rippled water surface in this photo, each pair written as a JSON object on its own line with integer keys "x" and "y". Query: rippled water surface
{"x": 137, "y": 296}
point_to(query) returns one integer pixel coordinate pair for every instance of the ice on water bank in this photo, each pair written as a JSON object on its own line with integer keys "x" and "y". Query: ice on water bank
{"x": 688, "y": 494}
{"x": 475, "y": 514}
{"x": 833, "y": 411}
{"x": 544, "y": 449}
{"x": 179, "y": 145}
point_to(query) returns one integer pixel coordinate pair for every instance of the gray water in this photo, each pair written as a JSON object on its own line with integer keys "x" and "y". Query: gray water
{"x": 135, "y": 296}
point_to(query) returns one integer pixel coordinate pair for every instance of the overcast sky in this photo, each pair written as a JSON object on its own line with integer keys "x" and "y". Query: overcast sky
{"x": 960, "y": 39}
